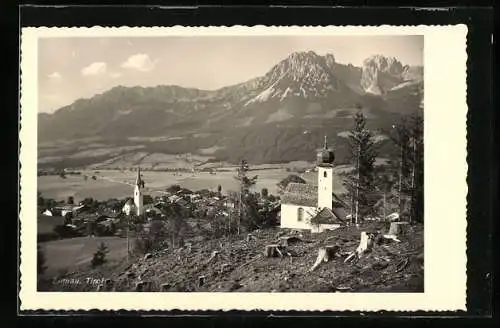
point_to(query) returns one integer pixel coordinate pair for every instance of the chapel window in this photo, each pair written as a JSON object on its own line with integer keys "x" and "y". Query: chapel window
{"x": 300, "y": 214}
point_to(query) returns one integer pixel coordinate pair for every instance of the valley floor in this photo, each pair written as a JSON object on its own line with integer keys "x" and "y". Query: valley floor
{"x": 241, "y": 266}
{"x": 119, "y": 184}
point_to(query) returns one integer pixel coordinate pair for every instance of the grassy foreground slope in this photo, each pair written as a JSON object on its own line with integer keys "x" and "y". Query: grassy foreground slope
{"x": 240, "y": 266}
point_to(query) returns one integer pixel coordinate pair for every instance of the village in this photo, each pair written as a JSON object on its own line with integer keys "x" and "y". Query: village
{"x": 223, "y": 231}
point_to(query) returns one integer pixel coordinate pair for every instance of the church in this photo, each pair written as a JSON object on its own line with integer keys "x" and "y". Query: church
{"x": 136, "y": 206}
{"x": 310, "y": 207}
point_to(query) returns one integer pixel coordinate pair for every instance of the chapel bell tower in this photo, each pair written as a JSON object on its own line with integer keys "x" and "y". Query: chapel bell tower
{"x": 325, "y": 161}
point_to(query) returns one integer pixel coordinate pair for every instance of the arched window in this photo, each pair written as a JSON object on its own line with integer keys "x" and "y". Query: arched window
{"x": 324, "y": 174}
{"x": 300, "y": 214}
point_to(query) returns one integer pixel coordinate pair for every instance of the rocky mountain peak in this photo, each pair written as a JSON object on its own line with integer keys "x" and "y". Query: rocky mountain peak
{"x": 304, "y": 74}
{"x": 384, "y": 64}
{"x": 381, "y": 73}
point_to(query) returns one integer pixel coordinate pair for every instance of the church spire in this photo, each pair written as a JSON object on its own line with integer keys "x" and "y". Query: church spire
{"x": 138, "y": 180}
{"x": 325, "y": 145}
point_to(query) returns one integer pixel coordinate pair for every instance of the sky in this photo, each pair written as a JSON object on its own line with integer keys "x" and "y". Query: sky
{"x": 80, "y": 67}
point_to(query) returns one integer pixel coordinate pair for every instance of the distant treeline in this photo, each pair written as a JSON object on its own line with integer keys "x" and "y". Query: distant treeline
{"x": 57, "y": 172}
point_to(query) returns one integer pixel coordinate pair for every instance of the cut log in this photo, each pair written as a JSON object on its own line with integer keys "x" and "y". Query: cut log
{"x": 325, "y": 254}
{"x": 365, "y": 243}
{"x": 392, "y": 237}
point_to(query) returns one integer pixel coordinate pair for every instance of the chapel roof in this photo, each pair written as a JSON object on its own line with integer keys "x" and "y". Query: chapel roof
{"x": 329, "y": 216}
{"x": 304, "y": 194}
{"x": 300, "y": 194}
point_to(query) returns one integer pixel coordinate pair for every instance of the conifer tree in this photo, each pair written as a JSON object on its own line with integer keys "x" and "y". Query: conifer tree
{"x": 408, "y": 137}
{"x": 360, "y": 183}
{"x": 417, "y": 167}
{"x": 247, "y": 211}
{"x": 400, "y": 136}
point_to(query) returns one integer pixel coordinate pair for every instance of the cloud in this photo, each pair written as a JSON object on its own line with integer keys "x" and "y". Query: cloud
{"x": 140, "y": 62}
{"x": 96, "y": 68}
{"x": 55, "y": 76}
{"x": 115, "y": 75}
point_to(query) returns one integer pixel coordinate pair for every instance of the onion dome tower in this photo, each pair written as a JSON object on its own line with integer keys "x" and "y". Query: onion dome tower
{"x": 325, "y": 160}
{"x": 325, "y": 157}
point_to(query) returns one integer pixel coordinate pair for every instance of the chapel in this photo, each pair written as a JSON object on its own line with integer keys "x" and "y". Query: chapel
{"x": 314, "y": 207}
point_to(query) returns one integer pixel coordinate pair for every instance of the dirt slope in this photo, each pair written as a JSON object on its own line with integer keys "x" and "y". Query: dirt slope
{"x": 241, "y": 266}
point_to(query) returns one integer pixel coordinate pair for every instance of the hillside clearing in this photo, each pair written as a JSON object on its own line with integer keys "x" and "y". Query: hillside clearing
{"x": 241, "y": 266}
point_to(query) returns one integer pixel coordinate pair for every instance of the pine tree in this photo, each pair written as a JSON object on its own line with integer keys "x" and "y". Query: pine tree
{"x": 408, "y": 137}
{"x": 100, "y": 255}
{"x": 247, "y": 212}
{"x": 361, "y": 183}
{"x": 417, "y": 167}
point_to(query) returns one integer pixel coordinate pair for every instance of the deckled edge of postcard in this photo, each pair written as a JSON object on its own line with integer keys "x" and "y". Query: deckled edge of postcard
{"x": 445, "y": 127}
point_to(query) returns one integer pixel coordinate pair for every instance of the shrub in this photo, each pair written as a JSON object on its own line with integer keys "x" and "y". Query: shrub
{"x": 100, "y": 255}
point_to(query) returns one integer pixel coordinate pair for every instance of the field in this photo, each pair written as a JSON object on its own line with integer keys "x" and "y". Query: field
{"x": 118, "y": 184}
{"x": 73, "y": 253}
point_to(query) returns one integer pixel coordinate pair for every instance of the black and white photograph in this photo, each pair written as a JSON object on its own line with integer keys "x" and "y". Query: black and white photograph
{"x": 230, "y": 163}
{"x": 220, "y": 164}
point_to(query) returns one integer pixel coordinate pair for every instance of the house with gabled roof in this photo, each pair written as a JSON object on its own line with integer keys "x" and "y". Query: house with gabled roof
{"x": 314, "y": 207}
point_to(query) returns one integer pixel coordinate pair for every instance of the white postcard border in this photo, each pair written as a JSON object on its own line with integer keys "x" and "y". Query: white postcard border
{"x": 445, "y": 111}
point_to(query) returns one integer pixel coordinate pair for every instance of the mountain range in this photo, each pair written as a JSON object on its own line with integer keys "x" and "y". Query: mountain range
{"x": 279, "y": 117}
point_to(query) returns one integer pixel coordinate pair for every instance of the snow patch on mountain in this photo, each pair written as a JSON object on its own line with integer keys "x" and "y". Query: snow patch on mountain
{"x": 402, "y": 85}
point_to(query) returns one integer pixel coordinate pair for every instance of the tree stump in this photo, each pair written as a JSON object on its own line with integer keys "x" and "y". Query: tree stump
{"x": 225, "y": 268}
{"x": 272, "y": 251}
{"x": 287, "y": 240}
{"x": 142, "y": 286}
{"x": 109, "y": 284}
{"x": 399, "y": 228}
{"x": 201, "y": 281}
{"x": 251, "y": 237}
{"x": 213, "y": 256}
{"x": 325, "y": 254}
{"x": 139, "y": 287}
{"x": 365, "y": 243}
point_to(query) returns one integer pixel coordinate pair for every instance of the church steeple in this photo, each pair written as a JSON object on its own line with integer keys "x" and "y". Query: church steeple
{"x": 138, "y": 179}
{"x": 138, "y": 198}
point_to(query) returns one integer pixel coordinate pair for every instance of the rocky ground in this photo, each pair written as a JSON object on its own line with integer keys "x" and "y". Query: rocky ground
{"x": 239, "y": 264}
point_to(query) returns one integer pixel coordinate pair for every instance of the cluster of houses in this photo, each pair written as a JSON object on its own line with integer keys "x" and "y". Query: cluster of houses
{"x": 109, "y": 216}
{"x": 302, "y": 206}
